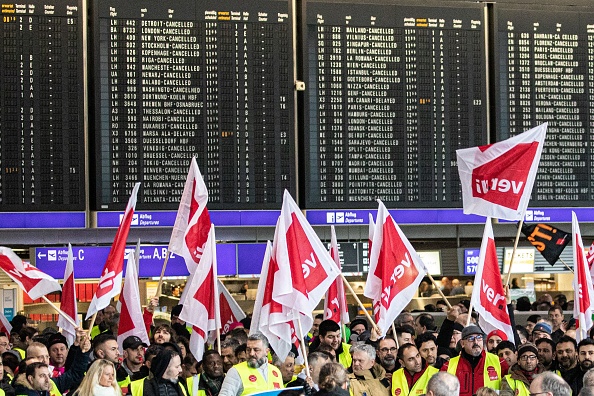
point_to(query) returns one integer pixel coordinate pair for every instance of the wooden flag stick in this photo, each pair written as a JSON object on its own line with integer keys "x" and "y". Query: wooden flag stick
{"x": 348, "y": 285}
{"x": 511, "y": 261}
{"x": 60, "y": 312}
{"x": 469, "y": 315}
{"x": 160, "y": 285}
{"x": 394, "y": 335}
{"x": 439, "y": 290}
{"x": 565, "y": 264}
{"x": 302, "y": 344}
{"x": 92, "y": 323}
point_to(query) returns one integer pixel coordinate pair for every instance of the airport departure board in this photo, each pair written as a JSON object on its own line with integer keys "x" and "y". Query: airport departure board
{"x": 545, "y": 73}
{"x": 42, "y": 157}
{"x": 187, "y": 78}
{"x": 392, "y": 92}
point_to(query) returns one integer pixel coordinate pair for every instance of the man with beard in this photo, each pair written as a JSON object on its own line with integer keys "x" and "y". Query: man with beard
{"x": 566, "y": 351}
{"x": 210, "y": 381}
{"x": 255, "y": 374}
{"x": 287, "y": 368}
{"x": 585, "y": 362}
{"x": 521, "y": 374}
{"x": 475, "y": 367}
{"x": 368, "y": 377}
{"x": 427, "y": 345}
{"x": 386, "y": 356}
{"x": 228, "y": 349}
{"x": 415, "y": 373}
{"x": 546, "y": 354}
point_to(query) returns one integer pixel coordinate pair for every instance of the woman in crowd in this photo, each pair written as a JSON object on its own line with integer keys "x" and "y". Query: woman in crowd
{"x": 333, "y": 380}
{"x": 99, "y": 380}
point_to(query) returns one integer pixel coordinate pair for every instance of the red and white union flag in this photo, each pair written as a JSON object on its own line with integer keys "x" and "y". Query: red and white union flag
{"x": 582, "y": 284}
{"x": 497, "y": 179}
{"x": 489, "y": 299}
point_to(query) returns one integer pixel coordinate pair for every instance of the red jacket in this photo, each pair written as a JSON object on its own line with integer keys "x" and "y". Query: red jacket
{"x": 471, "y": 380}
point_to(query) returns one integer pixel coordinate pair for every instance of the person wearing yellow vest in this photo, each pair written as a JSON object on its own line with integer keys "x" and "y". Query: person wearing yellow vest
{"x": 414, "y": 375}
{"x": 521, "y": 374}
{"x": 368, "y": 377}
{"x": 329, "y": 334}
{"x": 287, "y": 368}
{"x": 475, "y": 367}
{"x": 132, "y": 367}
{"x": 103, "y": 317}
{"x": 165, "y": 369}
{"x": 255, "y": 374}
{"x": 210, "y": 381}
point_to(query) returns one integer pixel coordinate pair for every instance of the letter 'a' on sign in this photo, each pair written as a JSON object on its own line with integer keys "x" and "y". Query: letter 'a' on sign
{"x": 497, "y": 179}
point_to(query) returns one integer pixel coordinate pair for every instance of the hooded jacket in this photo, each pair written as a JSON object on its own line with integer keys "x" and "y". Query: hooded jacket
{"x": 22, "y": 387}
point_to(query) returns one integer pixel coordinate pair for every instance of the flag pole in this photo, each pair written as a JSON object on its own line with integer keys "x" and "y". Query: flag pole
{"x": 348, "y": 285}
{"x": 160, "y": 285}
{"x": 439, "y": 290}
{"x": 60, "y": 312}
{"x": 565, "y": 264}
{"x": 92, "y": 322}
{"x": 302, "y": 343}
{"x": 469, "y": 315}
{"x": 511, "y": 261}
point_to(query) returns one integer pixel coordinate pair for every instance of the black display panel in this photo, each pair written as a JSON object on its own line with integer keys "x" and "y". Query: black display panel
{"x": 42, "y": 160}
{"x": 190, "y": 78}
{"x": 392, "y": 92}
{"x": 545, "y": 73}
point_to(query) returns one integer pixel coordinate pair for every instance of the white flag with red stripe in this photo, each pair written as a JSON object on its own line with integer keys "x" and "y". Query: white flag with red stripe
{"x": 395, "y": 270}
{"x": 582, "y": 284}
{"x": 590, "y": 259}
{"x": 497, "y": 179}
{"x": 335, "y": 306}
{"x": 376, "y": 302}
{"x": 305, "y": 268}
{"x": 201, "y": 307}
{"x": 33, "y": 281}
{"x": 110, "y": 282}
{"x": 5, "y": 326}
{"x": 488, "y": 298}
{"x": 131, "y": 318}
{"x": 272, "y": 319}
{"x": 68, "y": 301}
{"x": 192, "y": 223}
{"x": 231, "y": 312}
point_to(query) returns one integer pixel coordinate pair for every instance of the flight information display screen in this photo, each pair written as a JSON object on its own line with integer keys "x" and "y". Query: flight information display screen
{"x": 185, "y": 78}
{"x": 392, "y": 92}
{"x": 42, "y": 157}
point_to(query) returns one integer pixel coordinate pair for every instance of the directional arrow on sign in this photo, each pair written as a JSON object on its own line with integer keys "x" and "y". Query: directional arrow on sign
{"x": 39, "y": 255}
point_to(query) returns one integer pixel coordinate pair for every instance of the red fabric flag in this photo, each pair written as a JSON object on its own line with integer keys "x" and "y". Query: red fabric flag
{"x": 68, "y": 301}
{"x": 376, "y": 302}
{"x": 488, "y": 298}
{"x": 192, "y": 223}
{"x": 231, "y": 312}
{"x": 33, "y": 281}
{"x": 201, "y": 308}
{"x": 395, "y": 270}
{"x": 582, "y": 284}
{"x": 497, "y": 179}
{"x": 111, "y": 279}
{"x": 131, "y": 316}
{"x": 270, "y": 318}
{"x": 335, "y": 306}
{"x": 305, "y": 268}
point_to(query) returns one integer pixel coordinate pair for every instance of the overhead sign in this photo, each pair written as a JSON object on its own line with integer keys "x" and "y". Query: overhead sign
{"x": 89, "y": 261}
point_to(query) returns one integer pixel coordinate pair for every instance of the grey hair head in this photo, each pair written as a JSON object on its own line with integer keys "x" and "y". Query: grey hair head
{"x": 368, "y": 349}
{"x": 257, "y": 336}
{"x": 551, "y": 382}
{"x": 444, "y": 384}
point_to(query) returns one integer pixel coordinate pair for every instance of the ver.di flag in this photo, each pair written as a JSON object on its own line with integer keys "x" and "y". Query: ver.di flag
{"x": 395, "y": 270}
{"x": 582, "y": 284}
{"x": 488, "y": 298}
{"x": 497, "y": 179}
{"x": 335, "y": 306}
{"x": 548, "y": 240}
{"x": 68, "y": 301}
{"x": 33, "y": 281}
{"x": 192, "y": 223}
{"x": 131, "y": 319}
{"x": 110, "y": 282}
{"x": 231, "y": 312}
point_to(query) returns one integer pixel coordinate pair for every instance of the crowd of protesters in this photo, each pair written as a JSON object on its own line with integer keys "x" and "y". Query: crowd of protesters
{"x": 415, "y": 357}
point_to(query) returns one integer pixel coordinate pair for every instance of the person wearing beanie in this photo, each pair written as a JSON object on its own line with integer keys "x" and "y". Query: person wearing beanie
{"x": 165, "y": 370}
{"x": 494, "y": 338}
{"x": 450, "y": 331}
{"x": 475, "y": 367}
{"x": 358, "y": 326}
{"x": 521, "y": 374}
{"x": 57, "y": 347}
{"x": 541, "y": 330}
